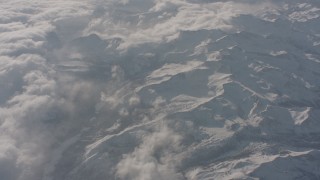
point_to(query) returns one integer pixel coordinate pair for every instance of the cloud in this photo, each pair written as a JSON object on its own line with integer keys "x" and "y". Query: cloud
{"x": 154, "y": 158}
{"x": 84, "y": 69}
{"x": 54, "y": 75}
{"x": 164, "y": 20}
{"x": 32, "y": 109}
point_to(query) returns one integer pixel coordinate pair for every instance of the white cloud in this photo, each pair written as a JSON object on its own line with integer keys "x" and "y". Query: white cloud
{"x": 59, "y": 68}
{"x": 134, "y": 100}
{"x": 154, "y": 158}
{"x": 180, "y": 16}
{"x": 30, "y": 104}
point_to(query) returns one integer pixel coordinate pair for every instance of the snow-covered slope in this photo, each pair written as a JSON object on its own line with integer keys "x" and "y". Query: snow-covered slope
{"x": 160, "y": 89}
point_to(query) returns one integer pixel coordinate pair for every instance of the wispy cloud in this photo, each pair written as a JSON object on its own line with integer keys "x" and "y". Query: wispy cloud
{"x": 154, "y": 158}
{"x": 166, "y": 19}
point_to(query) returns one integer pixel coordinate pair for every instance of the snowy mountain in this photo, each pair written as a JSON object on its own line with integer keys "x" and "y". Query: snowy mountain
{"x": 159, "y": 89}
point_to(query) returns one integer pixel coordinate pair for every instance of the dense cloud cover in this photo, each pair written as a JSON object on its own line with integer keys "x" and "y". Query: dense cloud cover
{"x": 159, "y": 89}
